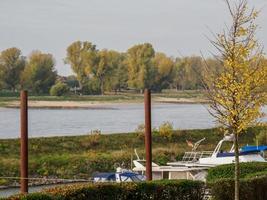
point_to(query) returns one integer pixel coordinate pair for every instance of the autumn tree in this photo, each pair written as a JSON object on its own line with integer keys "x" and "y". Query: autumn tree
{"x": 81, "y": 56}
{"x": 103, "y": 67}
{"x": 141, "y": 71}
{"x": 119, "y": 75}
{"x": 164, "y": 71}
{"x": 12, "y": 64}
{"x": 236, "y": 93}
{"x": 188, "y": 72}
{"x": 39, "y": 74}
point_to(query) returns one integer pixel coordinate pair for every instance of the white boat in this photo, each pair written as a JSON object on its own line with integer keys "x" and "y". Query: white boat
{"x": 195, "y": 164}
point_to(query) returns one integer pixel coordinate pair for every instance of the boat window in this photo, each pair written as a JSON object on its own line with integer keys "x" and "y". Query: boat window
{"x": 226, "y": 147}
{"x": 165, "y": 175}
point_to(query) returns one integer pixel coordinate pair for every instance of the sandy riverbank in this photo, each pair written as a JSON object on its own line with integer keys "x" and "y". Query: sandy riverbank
{"x": 95, "y": 104}
{"x": 62, "y": 104}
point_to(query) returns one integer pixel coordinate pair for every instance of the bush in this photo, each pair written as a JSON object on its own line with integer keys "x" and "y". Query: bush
{"x": 59, "y": 89}
{"x": 91, "y": 87}
{"x": 253, "y": 182}
{"x": 140, "y": 131}
{"x": 250, "y": 189}
{"x": 156, "y": 190}
{"x": 7, "y": 93}
{"x": 227, "y": 171}
{"x": 166, "y": 130}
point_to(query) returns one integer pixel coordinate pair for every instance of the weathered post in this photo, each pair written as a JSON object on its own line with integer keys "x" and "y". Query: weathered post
{"x": 24, "y": 142}
{"x": 148, "y": 135}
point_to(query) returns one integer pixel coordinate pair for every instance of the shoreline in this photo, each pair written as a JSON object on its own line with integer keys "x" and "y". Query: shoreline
{"x": 67, "y": 104}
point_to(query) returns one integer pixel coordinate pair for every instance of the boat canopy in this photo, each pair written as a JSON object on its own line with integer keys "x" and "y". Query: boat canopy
{"x": 254, "y": 148}
{"x": 108, "y": 176}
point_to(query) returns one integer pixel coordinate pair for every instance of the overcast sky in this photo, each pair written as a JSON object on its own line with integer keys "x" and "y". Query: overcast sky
{"x": 176, "y": 27}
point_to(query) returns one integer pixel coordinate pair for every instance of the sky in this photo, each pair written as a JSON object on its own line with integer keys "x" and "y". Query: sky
{"x": 175, "y": 27}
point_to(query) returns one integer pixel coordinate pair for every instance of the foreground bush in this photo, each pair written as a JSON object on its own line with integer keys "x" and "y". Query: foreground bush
{"x": 253, "y": 182}
{"x": 250, "y": 188}
{"x": 250, "y": 169}
{"x": 156, "y": 190}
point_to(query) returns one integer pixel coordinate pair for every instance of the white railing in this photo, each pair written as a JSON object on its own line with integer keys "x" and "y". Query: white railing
{"x": 193, "y": 156}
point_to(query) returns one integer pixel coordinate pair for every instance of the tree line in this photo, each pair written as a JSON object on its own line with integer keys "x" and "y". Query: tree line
{"x": 97, "y": 71}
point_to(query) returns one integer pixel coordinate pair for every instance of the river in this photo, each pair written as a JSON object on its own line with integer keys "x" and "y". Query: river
{"x": 16, "y": 190}
{"x": 117, "y": 118}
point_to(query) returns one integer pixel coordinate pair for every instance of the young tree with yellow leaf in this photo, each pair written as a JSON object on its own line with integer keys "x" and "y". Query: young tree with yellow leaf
{"x": 238, "y": 91}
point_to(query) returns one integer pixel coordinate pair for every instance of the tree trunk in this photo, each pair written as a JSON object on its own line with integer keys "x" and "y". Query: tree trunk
{"x": 102, "y": 86}
{"x": 237, "y": 168}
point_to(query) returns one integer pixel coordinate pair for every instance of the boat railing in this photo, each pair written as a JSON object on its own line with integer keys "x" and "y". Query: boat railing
{"x": 194, "y": 156}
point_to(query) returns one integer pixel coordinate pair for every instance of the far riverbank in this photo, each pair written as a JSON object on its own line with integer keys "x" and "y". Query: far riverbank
{"x": 103, "y": 101}
{"x": 97, "y": 104}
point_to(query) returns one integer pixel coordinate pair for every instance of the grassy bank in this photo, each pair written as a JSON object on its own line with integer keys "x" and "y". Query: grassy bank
{"x": 80, "y": 156}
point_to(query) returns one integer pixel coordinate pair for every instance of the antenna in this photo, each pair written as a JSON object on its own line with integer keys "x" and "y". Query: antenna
{"x": 196, "y": 145}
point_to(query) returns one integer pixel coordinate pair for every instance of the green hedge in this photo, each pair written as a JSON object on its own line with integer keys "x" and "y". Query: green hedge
{"x": 250, "y": 189}
{"x": 253, "y": 181}
{"x": 247, "y": 170}
{"x": 156, "y": 190}
{"x": 8, "y": 94}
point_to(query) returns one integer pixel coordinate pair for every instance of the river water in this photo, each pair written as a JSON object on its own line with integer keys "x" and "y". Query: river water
{"x": 12, "y": 191}
{"x": 118, "y": 118}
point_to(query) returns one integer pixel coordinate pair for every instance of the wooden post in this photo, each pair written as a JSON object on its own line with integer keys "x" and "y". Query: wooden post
{"x": 148, "y": 135}
{"x": 24, "y": 142}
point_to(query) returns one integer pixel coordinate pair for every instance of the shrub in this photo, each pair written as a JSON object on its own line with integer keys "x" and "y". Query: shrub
{"x": 140, "y": 131}
{"x": 7, "y": 93}
{"x": 59, "y": 89}
{"x": 3, "y": 181}
{"x": 250, "y": 189}
{"x": 227, "y": 171}
{"x": 92, "y": 140}
{"x": 156, "y": 190}
{"x": 253, "y": 181}
{"x": 166, "y": 130}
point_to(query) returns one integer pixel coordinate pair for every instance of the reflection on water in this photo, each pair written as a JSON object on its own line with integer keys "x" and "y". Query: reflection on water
{"x": 119, "y": 118}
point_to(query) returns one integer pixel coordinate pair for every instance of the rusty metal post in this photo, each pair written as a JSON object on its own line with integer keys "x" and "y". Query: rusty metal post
{"x": 148, "y": 135}
{"x": 24, "y": 142}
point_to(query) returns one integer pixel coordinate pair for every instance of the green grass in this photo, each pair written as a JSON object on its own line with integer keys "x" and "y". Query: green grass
{"x": 181, "y": 94}
{"x": 81, "y": 156}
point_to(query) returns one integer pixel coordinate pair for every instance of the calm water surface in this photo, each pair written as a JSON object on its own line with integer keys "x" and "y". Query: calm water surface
{"x": 12, "y": 191}
{"x": 114, "y": 119}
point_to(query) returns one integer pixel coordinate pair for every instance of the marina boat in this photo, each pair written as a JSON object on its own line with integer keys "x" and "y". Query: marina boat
{"x": 194, "y": 164}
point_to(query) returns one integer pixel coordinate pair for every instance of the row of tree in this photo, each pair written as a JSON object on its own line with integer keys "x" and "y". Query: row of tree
{"x": 138, "y": 68}
{"x": 36, "y": 73}
{"x": 97, "y": 71}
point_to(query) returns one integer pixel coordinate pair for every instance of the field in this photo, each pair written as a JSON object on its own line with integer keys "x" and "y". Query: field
{"x": 81, "y": 156}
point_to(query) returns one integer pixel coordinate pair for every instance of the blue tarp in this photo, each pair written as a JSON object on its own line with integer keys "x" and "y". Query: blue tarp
{"x": 105, "y": 175}
{"x": 254, "y": 148}
{"x": 112, "y": 174}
